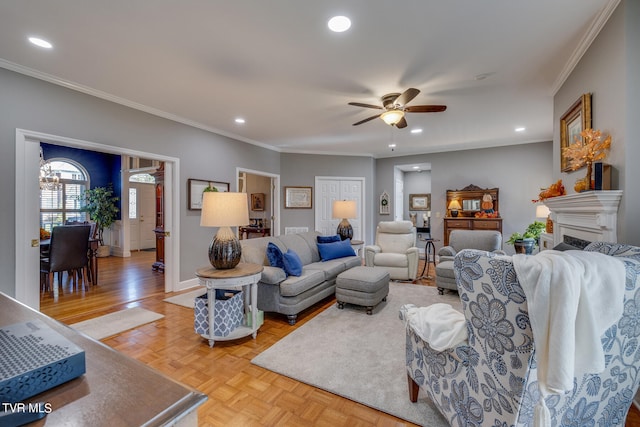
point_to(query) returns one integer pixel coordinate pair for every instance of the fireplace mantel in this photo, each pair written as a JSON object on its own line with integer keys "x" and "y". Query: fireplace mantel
{"x": 591, "y": 215}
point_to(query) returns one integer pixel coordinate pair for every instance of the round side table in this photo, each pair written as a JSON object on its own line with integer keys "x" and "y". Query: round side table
{"x": 243, "y": 275}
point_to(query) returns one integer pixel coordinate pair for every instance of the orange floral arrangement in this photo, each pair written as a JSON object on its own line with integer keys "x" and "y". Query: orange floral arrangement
{"x": 593, "y": 149}
{"x": 554, "y": 190}
{"x": 44, "y": 234}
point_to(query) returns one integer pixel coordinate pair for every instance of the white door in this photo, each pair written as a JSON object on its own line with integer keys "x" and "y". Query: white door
{"x": 330, "y": 189}
{"x": 142, "y": 216}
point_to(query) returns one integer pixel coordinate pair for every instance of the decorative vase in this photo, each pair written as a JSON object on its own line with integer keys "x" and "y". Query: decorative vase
{"x": 589, "y": 183}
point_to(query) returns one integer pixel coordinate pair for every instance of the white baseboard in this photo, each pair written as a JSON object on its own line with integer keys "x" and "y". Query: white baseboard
{"x": 187, "y": 284}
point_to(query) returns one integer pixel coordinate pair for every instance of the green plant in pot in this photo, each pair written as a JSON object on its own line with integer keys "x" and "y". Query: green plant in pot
{"x": 100, "y": 204}
{"x": 525, "y": 242}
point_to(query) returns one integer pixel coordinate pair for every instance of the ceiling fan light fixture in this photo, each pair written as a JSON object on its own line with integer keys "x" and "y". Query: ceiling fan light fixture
{"x": 392, "y": 117}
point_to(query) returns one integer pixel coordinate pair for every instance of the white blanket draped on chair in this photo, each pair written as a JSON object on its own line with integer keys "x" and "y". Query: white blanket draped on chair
{"x": 573, "y": 298}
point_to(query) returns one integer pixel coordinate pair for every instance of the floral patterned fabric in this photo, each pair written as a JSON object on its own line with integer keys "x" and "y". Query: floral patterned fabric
{"x": 491, "y": 380}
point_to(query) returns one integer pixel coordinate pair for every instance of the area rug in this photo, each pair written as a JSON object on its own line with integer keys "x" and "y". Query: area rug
{"x": 186, "y": 300}
{"x": 358, "y": 356}
{"x": 114, "y": 323}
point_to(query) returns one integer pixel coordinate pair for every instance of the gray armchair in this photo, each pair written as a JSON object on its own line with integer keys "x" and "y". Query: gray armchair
{"x": 395, "y": 250}
{"x": 484, "y": 240}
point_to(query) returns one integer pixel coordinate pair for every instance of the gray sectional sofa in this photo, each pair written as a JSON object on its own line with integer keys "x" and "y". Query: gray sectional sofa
{"x": 290, "y": 295}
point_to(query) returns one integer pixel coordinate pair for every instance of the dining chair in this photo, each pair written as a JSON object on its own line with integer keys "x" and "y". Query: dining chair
{"x": 68, "y": 251}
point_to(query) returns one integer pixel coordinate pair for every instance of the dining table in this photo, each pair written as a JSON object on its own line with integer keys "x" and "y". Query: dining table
{"x": 92, "y": 255}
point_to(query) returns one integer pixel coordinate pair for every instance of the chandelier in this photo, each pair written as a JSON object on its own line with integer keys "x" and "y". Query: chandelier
{"x": 48, "y": 180}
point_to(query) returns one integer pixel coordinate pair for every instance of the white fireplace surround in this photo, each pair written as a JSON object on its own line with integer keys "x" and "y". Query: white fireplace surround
{"x": 591, "y": 216}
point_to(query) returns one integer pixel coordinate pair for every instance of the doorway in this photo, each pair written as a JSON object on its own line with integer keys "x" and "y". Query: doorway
{"x": 268, "y": 184}
{"x": 28, "y": 212}
{"x": 142, "y": 212}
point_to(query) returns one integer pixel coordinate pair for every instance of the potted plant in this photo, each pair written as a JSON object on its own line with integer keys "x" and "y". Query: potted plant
{"x": 525, "y": 242}
{"x": 102, "y": 209}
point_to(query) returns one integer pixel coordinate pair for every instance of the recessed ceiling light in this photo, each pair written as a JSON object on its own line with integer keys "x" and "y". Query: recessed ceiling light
{"x": 392, "y": 145}
{"x": 240, "y": 120}
{"x": 339, "y": 24}
{"x": 416, "y": 167}
{"x": 418, "y": 130}
{"x": 520, "y": 129}
{"x": 40, "y": 42}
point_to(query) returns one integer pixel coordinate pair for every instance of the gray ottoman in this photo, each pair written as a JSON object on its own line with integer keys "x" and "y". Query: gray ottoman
{"x": 364, "y": 286}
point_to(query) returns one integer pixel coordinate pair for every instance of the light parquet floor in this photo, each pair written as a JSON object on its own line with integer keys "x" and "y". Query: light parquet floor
{"x": 240, "y": 394}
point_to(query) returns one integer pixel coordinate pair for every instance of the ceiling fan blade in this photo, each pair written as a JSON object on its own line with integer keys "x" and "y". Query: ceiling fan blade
{"x": 402, "y": 123}
{"x": 406, "y": 96}
{"x": 366, "y": 120}
{"x": 425, "y": 108}
{"x": 358, "y": 104}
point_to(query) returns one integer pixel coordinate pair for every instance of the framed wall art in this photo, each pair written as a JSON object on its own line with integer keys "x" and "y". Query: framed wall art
{"x": 257, "y": 201}
{"x": 575, "y": 120}
{"x": 297, "y": 197}
{"x": 195, "y": 188}
{"x": 419, "y": 202}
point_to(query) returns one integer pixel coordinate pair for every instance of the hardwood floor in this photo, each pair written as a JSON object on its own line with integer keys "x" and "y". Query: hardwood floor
{"x": 239, "y": 393}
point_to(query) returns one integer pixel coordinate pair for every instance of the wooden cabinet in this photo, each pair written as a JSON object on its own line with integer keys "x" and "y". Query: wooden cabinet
{"x": 475, "y": 201}
{"x": 470, "y": 224}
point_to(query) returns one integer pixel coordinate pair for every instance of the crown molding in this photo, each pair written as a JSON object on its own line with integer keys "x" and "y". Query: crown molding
{"x": 122, "y": 101}
{"x": 593, "y": 31}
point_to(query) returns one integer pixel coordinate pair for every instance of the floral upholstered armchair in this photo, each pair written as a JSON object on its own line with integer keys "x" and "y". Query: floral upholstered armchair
{"x": 491, "y": 379}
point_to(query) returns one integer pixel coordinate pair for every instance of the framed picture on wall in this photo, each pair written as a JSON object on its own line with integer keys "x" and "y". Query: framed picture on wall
{"x": 297, "y": 197}
{"x": 419, "y": 202}
{"x": 257, "y": 201}
{"x": 197, "y": 186}
{"x": 575, "y": 120}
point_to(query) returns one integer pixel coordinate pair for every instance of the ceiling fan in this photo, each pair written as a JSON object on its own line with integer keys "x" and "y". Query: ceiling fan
{"x": 395, "y": 105}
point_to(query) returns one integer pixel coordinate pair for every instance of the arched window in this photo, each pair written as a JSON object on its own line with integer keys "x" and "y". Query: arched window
{"x": 61, "y": 203}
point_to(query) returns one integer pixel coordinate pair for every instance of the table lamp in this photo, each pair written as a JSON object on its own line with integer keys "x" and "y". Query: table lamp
{"x": 454, "y": 207}
{"x": 224, "y": 210}
{"x": 344, "y": 209}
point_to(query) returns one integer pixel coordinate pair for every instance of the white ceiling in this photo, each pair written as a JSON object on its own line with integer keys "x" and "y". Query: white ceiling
{"x": 275, "y": 63}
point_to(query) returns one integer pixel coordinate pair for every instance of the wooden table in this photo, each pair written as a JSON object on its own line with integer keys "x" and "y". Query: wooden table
{"x": 116, "y": 390}
{"x": 264, "y": 231}
{"x": 242, "y": 276}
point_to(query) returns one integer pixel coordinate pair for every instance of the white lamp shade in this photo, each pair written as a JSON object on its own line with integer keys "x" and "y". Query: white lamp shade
{"x": 392, "y": 117}
{"x": 455, "y": 205}
{"x": 344, "y": 209}
{"x": 224, "y": 209}
{"x": 542, "y": 211}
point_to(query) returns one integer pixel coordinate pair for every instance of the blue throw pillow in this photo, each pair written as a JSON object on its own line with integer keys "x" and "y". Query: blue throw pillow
{"x": 292, "y": 263}
{"x": 275, "y": 256}
{"x": 335, "y": 250}
{"x": 328, "y": 239}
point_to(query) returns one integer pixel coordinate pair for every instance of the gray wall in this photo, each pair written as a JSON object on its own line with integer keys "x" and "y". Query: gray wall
{"x": 35, "y": 105}
{"x": 519, "y": 172}
{"x": 300, "y": 170}
{"x": 610, "y": 70}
